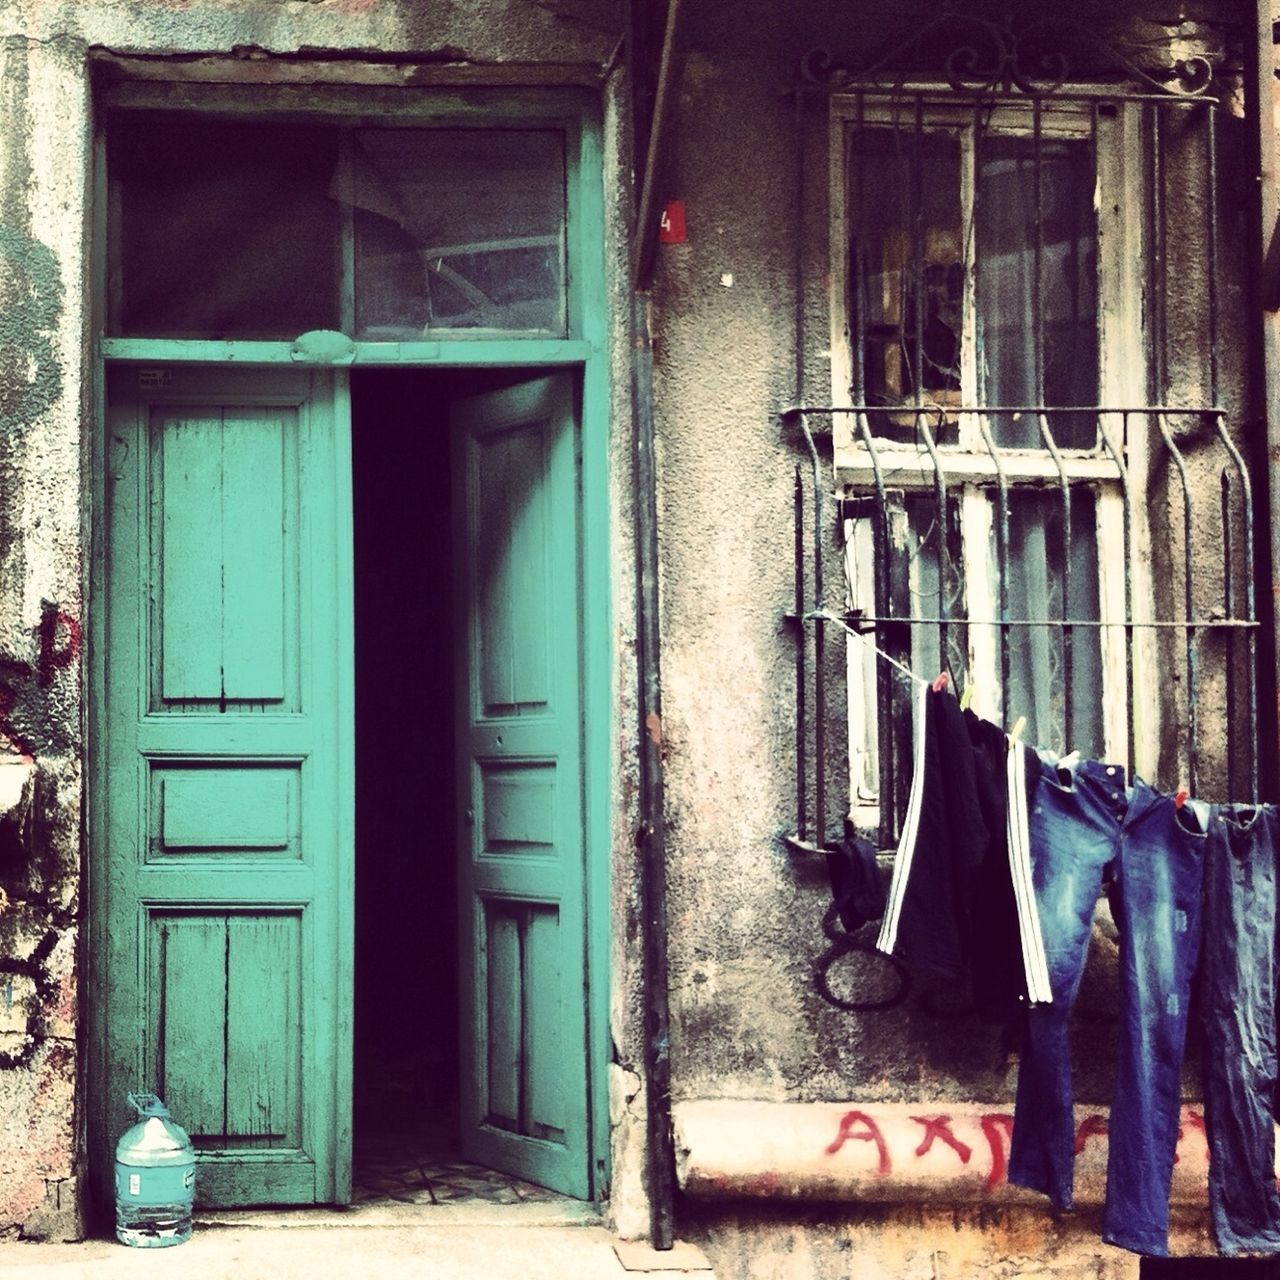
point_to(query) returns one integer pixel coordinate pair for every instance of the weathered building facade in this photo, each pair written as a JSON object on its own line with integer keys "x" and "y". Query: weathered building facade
{"x": 424, "y": 577}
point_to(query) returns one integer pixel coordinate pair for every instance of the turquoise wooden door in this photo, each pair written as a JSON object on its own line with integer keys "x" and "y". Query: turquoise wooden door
{"x": 224, "y": 910}
{"x": 524, "y": 1000}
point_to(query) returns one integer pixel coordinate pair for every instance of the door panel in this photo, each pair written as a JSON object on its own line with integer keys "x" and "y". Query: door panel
{"x": 524, "y": 1078}
{"x": 224, "y": 500}
{"x": 227, "y": 714}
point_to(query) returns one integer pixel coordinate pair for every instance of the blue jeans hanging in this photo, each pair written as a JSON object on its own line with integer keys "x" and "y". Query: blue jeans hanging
{"x": 1238, "y": 994}
{"x": 1086, "y": 826}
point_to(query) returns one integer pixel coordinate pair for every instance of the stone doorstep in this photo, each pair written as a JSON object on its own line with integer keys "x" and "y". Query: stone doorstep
{"x": 384, "y": 1213}
{"x": 682, "y": 1259}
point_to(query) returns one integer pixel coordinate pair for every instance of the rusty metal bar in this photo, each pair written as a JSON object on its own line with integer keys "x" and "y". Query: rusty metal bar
{"x": 1211, "y": 266}
{"x": 988, "y": 439}
{"x": 1158, "y": 380}
{"x": 1002, "y": 559}
{"x": 884, "y": 677}
{"x": 955, "y": 410}
{"x": 1200, "y": 624}
{"x": 918, "y": 243}
{"x": 940, "y": 518}
{"x": 1054, "y": 98}
{"x": 1229, "y": 608}
{"x": 819, "y": 650}
{"x": 887, "y": 762}
{"x": 1117, "y": 456}
{"x": 1037, "y": 252}
{"x": 1064, "y": 488}
{"x": 1250, "y": 606}
{"x": 859, "y": 265}
{"x": 802, "y": 770}
{"x": 1262, "y": 163}
{"x": 1037, "y": 312}
{"x": 1188, "y": 559}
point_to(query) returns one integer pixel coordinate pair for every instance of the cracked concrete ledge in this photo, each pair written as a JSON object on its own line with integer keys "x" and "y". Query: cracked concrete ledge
{"x": 893, "y": 1153}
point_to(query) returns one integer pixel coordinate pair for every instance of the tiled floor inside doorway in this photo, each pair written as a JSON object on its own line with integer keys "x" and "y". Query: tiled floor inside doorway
{"x": 422, "y": 1166}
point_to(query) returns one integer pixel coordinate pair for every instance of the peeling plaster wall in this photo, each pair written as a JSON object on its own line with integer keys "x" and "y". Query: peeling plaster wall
{"x": 745, "y": 914}
{"x": 46, "y": 414}
{"x": 43, "y": 112}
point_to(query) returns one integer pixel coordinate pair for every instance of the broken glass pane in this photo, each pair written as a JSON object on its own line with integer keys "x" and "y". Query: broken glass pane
{"x": 458, "y": 229}
{"x": 222, "y": 229}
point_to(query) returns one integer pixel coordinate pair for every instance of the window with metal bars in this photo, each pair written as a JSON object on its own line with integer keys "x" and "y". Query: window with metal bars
{"x": 1040, "y": 488}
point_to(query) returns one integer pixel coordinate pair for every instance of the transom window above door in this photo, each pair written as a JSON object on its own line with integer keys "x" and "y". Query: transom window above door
{"x": 248, "y": 230}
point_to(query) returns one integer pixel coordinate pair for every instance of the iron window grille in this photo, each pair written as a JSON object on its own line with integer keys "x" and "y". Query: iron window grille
{"x": 1040, "y": 488}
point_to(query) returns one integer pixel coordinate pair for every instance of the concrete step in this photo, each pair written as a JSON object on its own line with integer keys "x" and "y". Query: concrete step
{"x": 436, "y": 1251}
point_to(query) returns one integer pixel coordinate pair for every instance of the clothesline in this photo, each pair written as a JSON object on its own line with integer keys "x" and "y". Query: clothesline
{"x": 871, "y": 644}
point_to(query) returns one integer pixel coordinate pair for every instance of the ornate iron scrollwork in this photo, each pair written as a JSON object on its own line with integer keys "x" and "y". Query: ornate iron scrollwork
{"x": 984, "y": 57}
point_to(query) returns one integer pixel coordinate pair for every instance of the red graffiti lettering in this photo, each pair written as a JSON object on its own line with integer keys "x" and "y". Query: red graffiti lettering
{"x": 1090, "y": 1127}
{"x": 869, "y": 1133}
{"x": 940, "y": 1127}
{"x": 55, "y": 624}
{"x": 997, "y": 1128}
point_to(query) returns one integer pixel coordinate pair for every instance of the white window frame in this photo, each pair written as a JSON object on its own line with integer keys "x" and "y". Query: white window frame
{"x": 1121, "y": 200}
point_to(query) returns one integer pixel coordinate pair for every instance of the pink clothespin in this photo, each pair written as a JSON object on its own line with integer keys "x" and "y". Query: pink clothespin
{"x": 940, "y": 683}
{"x": 1181, "y": 798}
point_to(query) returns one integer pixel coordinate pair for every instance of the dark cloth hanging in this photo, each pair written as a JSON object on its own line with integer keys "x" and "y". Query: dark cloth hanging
{"x": 995, "y": 943}
{"x": 953, "y": 915}
{"x": 928, "y": 921}
{"x": 857, "y": 891}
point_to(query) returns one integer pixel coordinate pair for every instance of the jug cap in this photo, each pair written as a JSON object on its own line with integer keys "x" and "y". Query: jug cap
{"x": 148, "y": 1105}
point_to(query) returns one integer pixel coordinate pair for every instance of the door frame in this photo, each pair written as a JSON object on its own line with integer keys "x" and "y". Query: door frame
{"x": 585, "y": 349}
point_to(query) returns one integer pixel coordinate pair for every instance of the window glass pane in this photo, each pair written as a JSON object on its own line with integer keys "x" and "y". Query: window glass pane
{"x": 1007, "y": 287}
{"x": 222, "y": 230}
{"x": 935, "y": 587}
{"x": 458, "y": 229}
{"x": 906, "y": 269}
{"x": 1037, "y": 670}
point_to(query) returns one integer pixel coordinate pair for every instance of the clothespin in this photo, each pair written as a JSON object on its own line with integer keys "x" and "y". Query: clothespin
{"x": 967, "y": 696}
{"x": 1016, "y": 732}
{"x": 940, "y": 683}
{"x": 1181, "y": 798}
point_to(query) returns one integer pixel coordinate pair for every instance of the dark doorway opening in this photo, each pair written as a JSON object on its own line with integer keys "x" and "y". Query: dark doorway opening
{"x": 407, "y": 966}
{"x": 406, "y": 1033}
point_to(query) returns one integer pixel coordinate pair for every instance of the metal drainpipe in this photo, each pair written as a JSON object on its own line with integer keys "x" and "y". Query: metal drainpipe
{"x": 651, "y": 837}
{"x": 1264, "y": 299}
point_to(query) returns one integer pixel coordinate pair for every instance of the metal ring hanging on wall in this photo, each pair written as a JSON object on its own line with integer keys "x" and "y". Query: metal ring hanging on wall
{"x": 841, "y": 945}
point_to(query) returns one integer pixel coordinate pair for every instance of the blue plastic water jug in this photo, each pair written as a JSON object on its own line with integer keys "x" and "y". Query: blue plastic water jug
{"x": 155, "y": 1178}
